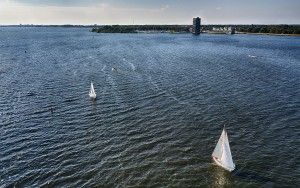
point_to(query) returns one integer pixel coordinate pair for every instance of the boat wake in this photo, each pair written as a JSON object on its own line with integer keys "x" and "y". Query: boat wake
{"x": 103, "y": 68}
{"x": 167, "y": 93}
{"x": 130, "y": 64}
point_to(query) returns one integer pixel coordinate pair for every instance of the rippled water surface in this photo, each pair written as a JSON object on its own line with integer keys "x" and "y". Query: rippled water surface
{"x": 162, "y": 101}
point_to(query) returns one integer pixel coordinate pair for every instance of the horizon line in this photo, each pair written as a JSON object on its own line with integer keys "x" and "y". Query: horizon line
{"x": 68, "y": 24}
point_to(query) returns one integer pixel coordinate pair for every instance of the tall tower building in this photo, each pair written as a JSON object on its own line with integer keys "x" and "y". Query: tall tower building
{"x": 196, "y": 25}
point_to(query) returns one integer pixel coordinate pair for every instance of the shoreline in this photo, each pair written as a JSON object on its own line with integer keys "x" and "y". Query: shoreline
{"x": 176, "y": 29}
{"x": 209, "y": 33}
{"x": 271, "y": 34}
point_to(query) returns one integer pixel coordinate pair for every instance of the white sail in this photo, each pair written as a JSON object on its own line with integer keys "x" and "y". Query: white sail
{"x": 92, "y": 93}
{"x": 218, "y": 149}
{"x": 222, "y": 153}
{"x": 226, "y": 157}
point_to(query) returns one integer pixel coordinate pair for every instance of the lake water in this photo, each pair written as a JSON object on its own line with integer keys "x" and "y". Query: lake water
{"x": 162, "y": 101}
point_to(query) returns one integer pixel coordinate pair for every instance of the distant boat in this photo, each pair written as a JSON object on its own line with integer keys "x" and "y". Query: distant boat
{"x": 92, "y": 93}
{"x": 222, "y": 154}
{"x": 252, "y": 56}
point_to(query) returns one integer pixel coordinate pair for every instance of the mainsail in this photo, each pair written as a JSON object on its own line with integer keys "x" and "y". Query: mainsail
{"x": 219, "y": 147}
{"x": 92, "y": 91}
{"x": 222, "y": 153}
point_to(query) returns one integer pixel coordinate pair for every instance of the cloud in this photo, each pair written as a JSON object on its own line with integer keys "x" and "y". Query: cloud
{"x": 102, "y": 13}
{"x": 164, "y": 7}
{"x": 64, "y": 3}
{"x": 147, "y": 12}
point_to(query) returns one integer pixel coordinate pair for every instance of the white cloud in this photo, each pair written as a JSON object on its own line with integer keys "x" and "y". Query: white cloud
{"x": 99, "y": 12}
{"x": 164, "y": 7}
{"x": 102, "y": 13}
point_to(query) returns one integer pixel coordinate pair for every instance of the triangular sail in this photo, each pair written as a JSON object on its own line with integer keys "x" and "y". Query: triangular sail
{"x": 222, "y": 152}
{"x": 218, "y": 149}
{"x": 226, "y": 158}
{"x": 92, "y": 91}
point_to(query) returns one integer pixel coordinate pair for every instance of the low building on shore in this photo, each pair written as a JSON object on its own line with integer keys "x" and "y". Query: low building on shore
{"x": 223, "y": 30}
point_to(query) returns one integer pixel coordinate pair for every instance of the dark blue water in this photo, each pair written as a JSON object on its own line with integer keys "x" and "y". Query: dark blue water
{"x": 158, "y": 114}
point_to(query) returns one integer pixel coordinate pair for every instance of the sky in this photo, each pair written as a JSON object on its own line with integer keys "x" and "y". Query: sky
{"x": 100, "y": 12}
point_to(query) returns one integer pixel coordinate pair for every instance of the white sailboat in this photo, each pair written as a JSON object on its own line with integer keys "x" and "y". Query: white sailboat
{"x": 92, "y": 92}
{"x": 222, "y": 154}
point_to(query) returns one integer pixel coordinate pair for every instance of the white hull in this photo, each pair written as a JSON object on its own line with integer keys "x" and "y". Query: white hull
{"x": 221, "y": 165}
{"x": 92, "y": 96}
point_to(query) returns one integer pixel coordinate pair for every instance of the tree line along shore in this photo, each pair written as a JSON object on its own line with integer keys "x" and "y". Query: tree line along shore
{"x": 262, "y": 29}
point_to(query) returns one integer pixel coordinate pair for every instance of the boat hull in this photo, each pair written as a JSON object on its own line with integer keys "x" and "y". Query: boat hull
{"x": 221, "y": 165}
{"x": 92, "y": 96}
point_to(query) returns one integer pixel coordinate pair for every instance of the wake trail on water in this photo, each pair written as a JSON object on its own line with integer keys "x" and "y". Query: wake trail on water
{"x": 169, "y": 95}
{"x": 114, "y": 87}
{"x": 132, "y": 66}
{"x": 103, "y": 68}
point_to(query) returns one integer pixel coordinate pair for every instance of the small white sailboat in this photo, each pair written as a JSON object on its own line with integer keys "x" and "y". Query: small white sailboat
{"x": 252, "y": 56}
{"x": 222, "y": 154}
{"x": 92, "y": 92}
